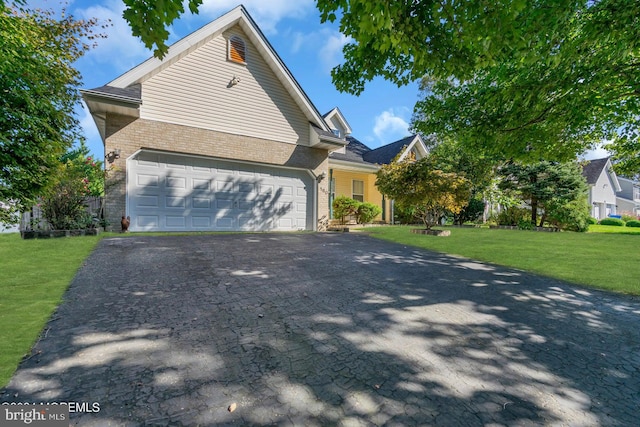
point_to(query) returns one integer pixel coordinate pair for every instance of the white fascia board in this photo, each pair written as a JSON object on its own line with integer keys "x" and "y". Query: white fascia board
{"x": 177, "y": 50}
{"x": 352, "y": 166}
{"x": 417, "y": 141}
{"x": 336, "y": 112}
{"x": 612, "y": 176}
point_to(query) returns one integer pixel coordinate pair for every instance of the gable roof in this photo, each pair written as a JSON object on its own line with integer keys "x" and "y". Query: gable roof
{"x": 238, "y": 16}
{"x": 357, "y": 152}
{"x": 341, "y": 119}
{"x": 385, "y": 154}
{"x": 354, "y": 151}
{"x": 593, "y": 169}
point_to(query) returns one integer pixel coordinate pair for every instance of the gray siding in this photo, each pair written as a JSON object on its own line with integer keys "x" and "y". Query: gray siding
{"x": 195, "y": 92}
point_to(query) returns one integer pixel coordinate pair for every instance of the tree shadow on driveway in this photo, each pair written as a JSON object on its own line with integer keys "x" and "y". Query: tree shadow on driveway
{"x": 329, "y": 329}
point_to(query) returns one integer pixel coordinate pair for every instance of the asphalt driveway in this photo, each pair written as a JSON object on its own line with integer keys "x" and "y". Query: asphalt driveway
{"x": 328, "y": 329}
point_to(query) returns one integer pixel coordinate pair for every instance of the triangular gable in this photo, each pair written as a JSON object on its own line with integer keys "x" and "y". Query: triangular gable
{"x": 238, "y": 16}
{"x": 593, "y": 169}
{"x": 337, "y": 116}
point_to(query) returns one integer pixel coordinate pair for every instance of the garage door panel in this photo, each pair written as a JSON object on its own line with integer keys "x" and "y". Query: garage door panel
{"x": 201, "y": 203}
{"x": 175, "y": 202}
{"x": 200, "y": 184}
{"x": 201, "y": 221}
{"x": 144, "y": 180}
{"x": 181, "y": 192}
{"x": 176, "y": 221}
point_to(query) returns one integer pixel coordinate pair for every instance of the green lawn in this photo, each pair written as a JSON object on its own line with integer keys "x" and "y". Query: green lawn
{"x": 600, "y": 260}
{"x": 597, "y": 228}
{"x": 35, "y": 274}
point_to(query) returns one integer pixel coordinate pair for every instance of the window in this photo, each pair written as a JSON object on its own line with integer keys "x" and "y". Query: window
{"x": 358, "y": 190}
{"x": 636, "y": 193}
{"x": 336, "y": 132}
{"x": 237, "y": 50}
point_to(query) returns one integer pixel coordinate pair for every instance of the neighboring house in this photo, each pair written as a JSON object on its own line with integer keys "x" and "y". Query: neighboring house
{"x": 352, "y": 169}
{"x": 603, "y": 186}
{"x": 216, "y": 136}
{"x": 628, "y": 199}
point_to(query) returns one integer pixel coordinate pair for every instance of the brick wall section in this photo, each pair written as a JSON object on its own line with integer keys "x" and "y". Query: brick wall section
{"x": 129, "y": 134}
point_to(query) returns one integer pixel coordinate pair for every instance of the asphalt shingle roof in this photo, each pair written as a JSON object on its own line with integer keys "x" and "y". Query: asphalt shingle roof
{"x": 354, "y": 151}
{"x": 132, "y": 92}
{"x": 358, "y": 152}
{"x": 592, "y": 170}
{"x": 385, "y": 154}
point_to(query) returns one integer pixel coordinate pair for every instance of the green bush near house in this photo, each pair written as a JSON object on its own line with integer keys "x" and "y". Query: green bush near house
{"x": 343, "y": 207}
{"x": 612, "y": 221}
{"x": 633, "y": 223}
{"x": 592, "y": 220}
{"x": 366, "y": 212}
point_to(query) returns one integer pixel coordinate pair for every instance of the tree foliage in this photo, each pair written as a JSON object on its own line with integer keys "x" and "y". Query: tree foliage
{"x": 38, "y": 87}
{"x": 451, "y": 156}
{"x": 78, "y": 176}
{"x": 149, "y": 20}
{"x": 545, "y": 186}
{"x": 420, "y": 185}
{"x": 520, "y": 78}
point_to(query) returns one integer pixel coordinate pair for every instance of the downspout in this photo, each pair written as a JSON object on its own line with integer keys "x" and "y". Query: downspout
{"x": 331, "y": 193}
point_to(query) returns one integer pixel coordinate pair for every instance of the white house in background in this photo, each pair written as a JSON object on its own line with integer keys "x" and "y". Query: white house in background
{"x": 603, "y": 187}
{"x": 628, "y": 199}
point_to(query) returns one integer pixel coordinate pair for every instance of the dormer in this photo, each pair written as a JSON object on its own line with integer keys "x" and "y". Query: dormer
{"x": 337, "y": 123}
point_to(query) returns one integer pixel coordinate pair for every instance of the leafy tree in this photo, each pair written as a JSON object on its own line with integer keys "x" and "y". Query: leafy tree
{"x": 451, "y": 156}
{"x": 149, "y": 20}
{"x": 419, "y": 185}
{"x": 39, "y": 86}
{"x": 543, "y": 185}
{"x": 78, "y": 176}
{"x": 520, "y": 78}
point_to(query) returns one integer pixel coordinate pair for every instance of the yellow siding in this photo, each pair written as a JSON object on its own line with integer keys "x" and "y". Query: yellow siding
{"x": 344, "y": 186}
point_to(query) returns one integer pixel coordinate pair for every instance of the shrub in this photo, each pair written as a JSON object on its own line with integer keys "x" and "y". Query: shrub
{"x": 573, "y": 215}
{"x": 592, "y": 220}
{"x": 366, "y": 212}
{"x": 513, "y": 215}
{"x": 525, "y": 224}
{"x": 344, "y": 206}
{"x": 470, "y": 213}
{"x": 633, "y": 223}
{"x": 612, "y": 221}
{"x": 404, "y": 215}
{"x": 627, "y": 216}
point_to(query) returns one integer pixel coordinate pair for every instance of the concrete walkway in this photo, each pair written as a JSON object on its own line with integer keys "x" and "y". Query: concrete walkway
{"x": 328, "y": 329}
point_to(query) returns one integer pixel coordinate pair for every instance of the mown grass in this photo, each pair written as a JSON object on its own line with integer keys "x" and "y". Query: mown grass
{"x": 34, "y": 276}
{"x": 612, "y": 229}
{"x": 599, "y": 260}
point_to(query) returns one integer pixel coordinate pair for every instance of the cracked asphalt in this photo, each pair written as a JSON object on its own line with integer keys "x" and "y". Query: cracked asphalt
{"x": 328, "y": 329}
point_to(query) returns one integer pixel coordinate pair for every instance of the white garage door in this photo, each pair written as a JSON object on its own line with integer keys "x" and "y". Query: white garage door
{"x": 175, "y": 192}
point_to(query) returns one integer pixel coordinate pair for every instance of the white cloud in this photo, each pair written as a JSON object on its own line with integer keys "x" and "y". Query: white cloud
{"x": 330, "y": 53}
{"x": 267, "y": 14}
{"x": 120, "y": 49}
{"x": 595, "y": 153}
{"x": 392, "y": 125}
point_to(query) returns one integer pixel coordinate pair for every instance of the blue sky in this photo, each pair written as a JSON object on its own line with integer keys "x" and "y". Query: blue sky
{"x": 381, "y": 114}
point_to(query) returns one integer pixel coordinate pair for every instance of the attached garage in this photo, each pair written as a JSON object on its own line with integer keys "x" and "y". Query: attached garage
{"x": 171, "y": 192}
